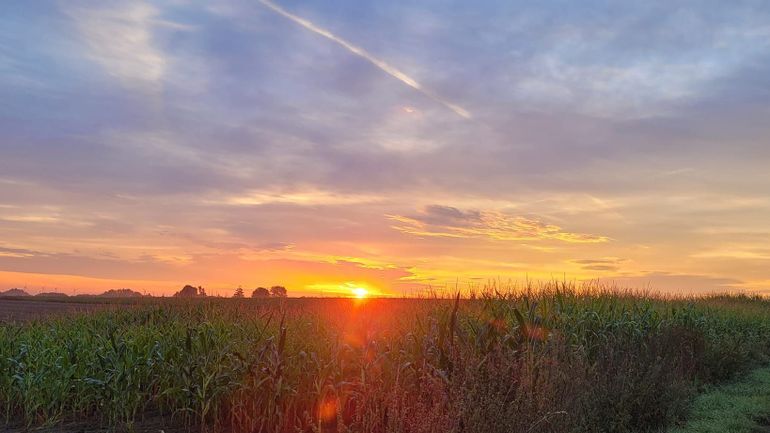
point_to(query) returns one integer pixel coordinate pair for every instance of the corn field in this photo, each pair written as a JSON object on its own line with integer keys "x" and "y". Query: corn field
{"x": 555, "y": 359}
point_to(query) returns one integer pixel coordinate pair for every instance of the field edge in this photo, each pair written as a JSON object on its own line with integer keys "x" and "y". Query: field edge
{"x": 741, "y": 406}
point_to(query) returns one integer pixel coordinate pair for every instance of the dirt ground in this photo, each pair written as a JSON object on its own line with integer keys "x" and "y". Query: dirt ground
{"x": 28, "y": 309}
{"x": 149, "y": 425}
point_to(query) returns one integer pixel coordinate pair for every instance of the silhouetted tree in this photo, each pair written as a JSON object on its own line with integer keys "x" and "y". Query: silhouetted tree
{"x": 278, "y": 291}
{"x": 14, "y": 292}
{"x": 51, "y": 295}
{"x": 121, "y": 293}
{"x": 238, "y": 292}
{"x": 260, "y": 292}
{"x": 201, "y": 292}
{"x": 187, "y": 291}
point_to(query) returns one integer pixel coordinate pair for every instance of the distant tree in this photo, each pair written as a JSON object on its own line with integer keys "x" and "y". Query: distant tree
{"x": 260, "y": 292}
{"x": 187, "y": 291}
{"x": 14, "y": 292}
{"x": 121, "y": 293}
{"x": 201, "y": 292}
{"x": 52, "y": 295}
{"x": 278, "y": 291}
{"x": 238, "y": 292}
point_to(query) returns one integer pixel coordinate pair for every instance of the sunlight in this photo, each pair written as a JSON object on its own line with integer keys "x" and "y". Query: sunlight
{"x": 356, "y": 289}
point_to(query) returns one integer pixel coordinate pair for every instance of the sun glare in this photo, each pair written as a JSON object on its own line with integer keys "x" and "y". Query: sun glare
{"x": 359, "y": 292}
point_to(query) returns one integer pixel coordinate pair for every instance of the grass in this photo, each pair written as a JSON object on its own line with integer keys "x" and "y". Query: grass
{"x": 556, "y": 359}
{"x": 740, "y": 407}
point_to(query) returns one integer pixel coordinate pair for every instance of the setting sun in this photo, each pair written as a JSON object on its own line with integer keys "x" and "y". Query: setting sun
{"x": 372, "y": 216}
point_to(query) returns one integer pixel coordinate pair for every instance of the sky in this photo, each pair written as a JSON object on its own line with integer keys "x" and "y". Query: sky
{"x": 391, "y": 145}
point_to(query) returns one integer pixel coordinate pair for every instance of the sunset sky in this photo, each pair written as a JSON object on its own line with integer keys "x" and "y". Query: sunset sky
{"x": 391, "y": 145}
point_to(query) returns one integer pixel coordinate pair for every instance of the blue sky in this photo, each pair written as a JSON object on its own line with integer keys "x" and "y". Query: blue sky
{"x": 395, "y": 144}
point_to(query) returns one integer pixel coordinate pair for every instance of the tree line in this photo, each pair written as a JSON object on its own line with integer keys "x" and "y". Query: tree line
{"x": 190, "y": 291}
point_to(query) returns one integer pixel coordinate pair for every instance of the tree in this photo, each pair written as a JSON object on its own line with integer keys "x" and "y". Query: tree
{"x": 260, "y": 292}
{"x": 121, "y": 293}
{"x": 238, "y": 292}
{"x": 201, "y": 292}
{"x": 187, "y": 291}
{"x": 14, "y": 292}
{"x": 278, "y": 291}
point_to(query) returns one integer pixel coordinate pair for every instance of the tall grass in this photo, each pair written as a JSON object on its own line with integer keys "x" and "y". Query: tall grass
{"x": 554, "y": 359}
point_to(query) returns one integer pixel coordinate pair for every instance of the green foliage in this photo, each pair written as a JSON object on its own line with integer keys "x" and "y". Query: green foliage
{"x": 554, "y": 359}
{"x": 740, "y": 407}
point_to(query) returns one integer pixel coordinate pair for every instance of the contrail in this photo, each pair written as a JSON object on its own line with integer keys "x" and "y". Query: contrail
{"x": 390, "y": 70}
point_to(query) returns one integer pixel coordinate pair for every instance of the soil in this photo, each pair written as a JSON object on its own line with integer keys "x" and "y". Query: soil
{"x": 150, "y": 424}
{"x": 28, "y": 309}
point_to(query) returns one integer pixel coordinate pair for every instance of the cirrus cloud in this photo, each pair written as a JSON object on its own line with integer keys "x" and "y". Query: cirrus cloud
{"x": 450, "y": 222}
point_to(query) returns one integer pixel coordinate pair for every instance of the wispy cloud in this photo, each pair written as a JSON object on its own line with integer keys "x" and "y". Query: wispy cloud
{"x": 682, "y": 283}
{"x": 120, "y": 39}
{"x": 604, "y": 264}
{"x": 450, "y": 222}
{"x": 16, "y": 252}
{"x": 360, "y": 52}
{"x": 736, "y": 253}
{"x": 307, "y": 197}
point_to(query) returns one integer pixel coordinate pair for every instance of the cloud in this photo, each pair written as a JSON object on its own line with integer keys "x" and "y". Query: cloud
{"x": 16, "y": 252}
{"x": 676, "y": 283}
{"x": 226, "y": 246}
{"x": 99, "y": 266}
{"x": 600, "y": 268}
{"x": 267, "y": 132}
{"x": 605, "y": 264}
{"x": 227, "y": 269}
{"x": 360, "y": 52}
{"x": 450, "y": 222}
{"x": 274, "y": 246}
{"x": 121, "y": 40}
{"x": 598, "y": 261}
{"x": 734, "y": 253}
{"x": 306, "y": 197}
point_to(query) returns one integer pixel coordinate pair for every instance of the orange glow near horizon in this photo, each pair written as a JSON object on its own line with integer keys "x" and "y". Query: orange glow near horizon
{"x": 343, "y": 173}
{"x": 415, "y": 254}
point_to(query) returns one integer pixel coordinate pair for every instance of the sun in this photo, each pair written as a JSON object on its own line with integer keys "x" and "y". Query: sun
{"x": 359, "y": 292}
